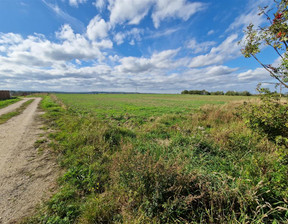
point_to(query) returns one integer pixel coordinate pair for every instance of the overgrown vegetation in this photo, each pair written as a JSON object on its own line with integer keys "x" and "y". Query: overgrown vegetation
{"x": 199, "y": 166}
{"x": 19, "y": 110}
{"x": 5, "y": 103}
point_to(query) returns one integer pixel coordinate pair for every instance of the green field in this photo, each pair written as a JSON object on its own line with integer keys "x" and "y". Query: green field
{"x": 143, "y": 105}
{"x": 162, "y": 159}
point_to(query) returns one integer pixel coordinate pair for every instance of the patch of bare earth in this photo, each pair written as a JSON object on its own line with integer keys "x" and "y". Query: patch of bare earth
{"x": 26, "y": 176}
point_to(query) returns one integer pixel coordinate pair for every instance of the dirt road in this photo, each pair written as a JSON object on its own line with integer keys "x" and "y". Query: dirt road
{"x": 12, "y": 107}
{"x": 25, "y": 174}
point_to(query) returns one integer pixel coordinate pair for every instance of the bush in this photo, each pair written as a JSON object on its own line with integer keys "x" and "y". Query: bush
{"x": 269, "y": 117}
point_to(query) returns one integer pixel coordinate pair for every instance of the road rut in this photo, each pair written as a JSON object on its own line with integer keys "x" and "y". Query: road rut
{"x": 25, "y": 175}
{"x": 12, "y": 107}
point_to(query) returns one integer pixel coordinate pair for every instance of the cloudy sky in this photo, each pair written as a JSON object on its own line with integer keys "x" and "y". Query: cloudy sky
{"x": 161, "y": 46}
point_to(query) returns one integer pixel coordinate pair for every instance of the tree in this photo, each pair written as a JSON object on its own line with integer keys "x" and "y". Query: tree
{"x": 185, "y": 92}
{"x": 275, "y": 35}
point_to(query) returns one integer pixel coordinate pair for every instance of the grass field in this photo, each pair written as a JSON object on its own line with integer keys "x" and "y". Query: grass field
{"x": 161, "y": 159}
{"x": 143, "y": 105}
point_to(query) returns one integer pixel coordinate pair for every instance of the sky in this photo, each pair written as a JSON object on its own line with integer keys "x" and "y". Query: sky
{"x": 148, "y": 46}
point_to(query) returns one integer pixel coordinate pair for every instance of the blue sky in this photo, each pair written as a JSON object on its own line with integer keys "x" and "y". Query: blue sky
{"x": 160, "y": 46}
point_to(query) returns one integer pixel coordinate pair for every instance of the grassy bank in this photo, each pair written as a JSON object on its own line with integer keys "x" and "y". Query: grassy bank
{"x": 178, "y": 165}
{"x": 19, "y": 110}
{"x": 5, "y": 103}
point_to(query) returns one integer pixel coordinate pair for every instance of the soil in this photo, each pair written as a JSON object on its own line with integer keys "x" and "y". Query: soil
{"x": 27, "y": 176}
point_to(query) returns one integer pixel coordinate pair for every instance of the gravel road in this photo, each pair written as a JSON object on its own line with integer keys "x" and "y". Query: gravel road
{"x": 26, "y": 176}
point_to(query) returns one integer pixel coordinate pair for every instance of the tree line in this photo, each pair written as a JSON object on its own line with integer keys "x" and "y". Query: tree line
{"x": 228, "y": 93}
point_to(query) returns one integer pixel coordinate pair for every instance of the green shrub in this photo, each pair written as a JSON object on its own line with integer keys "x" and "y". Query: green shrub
{"x": 270, "y": 116}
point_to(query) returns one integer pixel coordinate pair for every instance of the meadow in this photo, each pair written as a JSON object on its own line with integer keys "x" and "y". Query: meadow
{"x": 142, "y": 105}
{"x": 161, "y": 159}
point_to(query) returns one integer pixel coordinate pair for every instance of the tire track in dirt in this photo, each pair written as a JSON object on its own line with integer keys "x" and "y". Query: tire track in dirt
{"x": 12, "y": 107}
{"x": 25, "y": 175}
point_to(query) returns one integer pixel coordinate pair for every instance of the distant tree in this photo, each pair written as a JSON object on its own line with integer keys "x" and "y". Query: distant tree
{"x": 217, "y": 93}
{"x": 204, "y": 92}
{"x": 274, "y": 35}
{"x": 185, "y": 92}
{"x": 230, "y": 93}
{"x": 197, "y": 92}
{"x": 245, "y": 93}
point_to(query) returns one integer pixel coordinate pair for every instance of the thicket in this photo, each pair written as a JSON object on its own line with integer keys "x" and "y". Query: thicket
{"x": 206, "y": 166}
{"x": 228, "y": 93}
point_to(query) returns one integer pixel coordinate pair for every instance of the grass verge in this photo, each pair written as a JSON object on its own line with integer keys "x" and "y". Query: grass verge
{"x": 19, "y": 110}
{"x": 5, "y": 103}
{"x": 200, "y": 167}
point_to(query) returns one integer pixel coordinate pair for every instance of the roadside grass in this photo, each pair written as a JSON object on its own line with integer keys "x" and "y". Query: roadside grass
{"x": 201, "y": 166}
{"x": 5, "y": 103}
{"x": 19, "y": 110}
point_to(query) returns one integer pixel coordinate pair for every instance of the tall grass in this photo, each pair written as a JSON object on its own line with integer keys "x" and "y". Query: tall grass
{"x": 204, "y": 166}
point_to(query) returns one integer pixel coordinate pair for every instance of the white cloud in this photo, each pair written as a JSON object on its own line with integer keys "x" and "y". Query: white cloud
{"x": 250, "y": 15}
{"x": 227, "y": 50}
{"x": 200, "y": 47}
{"x": 158, "y": 61}
{"x": 132, "y": 35}
{"x": 175, "y": 9}
{"x": 210, "y": 32}
{"x": 133, "y": 11}
{"x": 97, "y": 28}
{"x": 66, "y": 33}
{"x": 119, "y": 38}
{"x": 40, "y": 52}
{"x": 83, "y": 60}
{"x": 10, "y": 38}
{"x": 99, "y": 4}
{"x": 75, "y": 3}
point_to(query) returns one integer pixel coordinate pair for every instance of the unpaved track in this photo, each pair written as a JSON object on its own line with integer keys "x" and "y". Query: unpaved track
{"x": 12, "y": 107}
{"x": 26, "y": 176}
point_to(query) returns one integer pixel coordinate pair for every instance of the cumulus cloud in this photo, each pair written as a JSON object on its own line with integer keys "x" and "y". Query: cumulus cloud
{"x": 99, "y": 4}
{"x": 86, "y": 60}
{"x": 58, "y": 66}
{"x": 175, "y": 9}
{"x": 36, "y": 50}
{"x": 258, "y": 74}
{"x": 158, "y": 61}
{"x": 227, "y": 50}
{"x": 133, "y": 11}
{"x": 97, "y": 28}
{"x": 10, "y": 38}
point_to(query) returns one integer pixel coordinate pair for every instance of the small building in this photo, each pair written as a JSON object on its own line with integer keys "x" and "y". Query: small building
{"x": 5, "y": 94}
